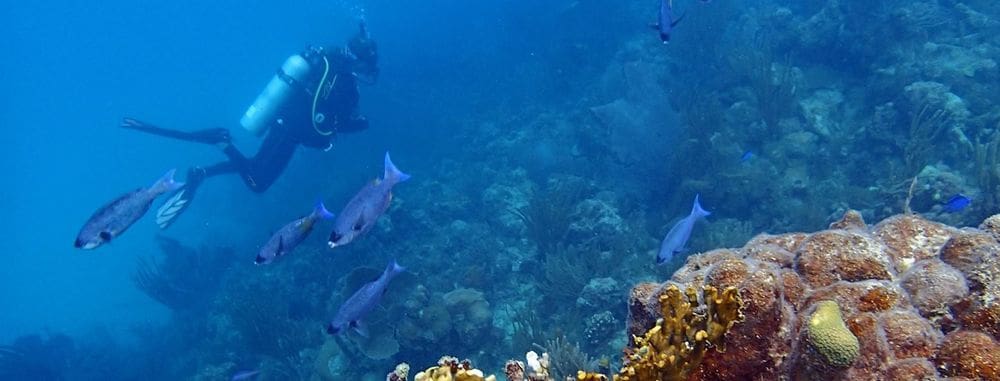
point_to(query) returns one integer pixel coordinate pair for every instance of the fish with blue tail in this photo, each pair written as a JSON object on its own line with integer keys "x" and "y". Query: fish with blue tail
{"x": 364, "y": 300}
{"x": 665, "y": 21}
{"x": 112, "y": 219}
{"x": 676, "y": 240}
{"x": 957, "y": 203}
{"x": 361, "y": 212}
{"x": 291, "y": 235}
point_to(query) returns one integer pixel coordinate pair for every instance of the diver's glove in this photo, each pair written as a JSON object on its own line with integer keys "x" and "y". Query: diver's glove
{"x": 353, "y": 125}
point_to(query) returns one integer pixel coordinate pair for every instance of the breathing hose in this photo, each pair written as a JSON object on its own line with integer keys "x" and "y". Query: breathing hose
{"x": 319, "y": 87}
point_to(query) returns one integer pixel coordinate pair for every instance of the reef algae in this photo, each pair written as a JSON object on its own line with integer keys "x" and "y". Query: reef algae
{"x": 904, "y": 299}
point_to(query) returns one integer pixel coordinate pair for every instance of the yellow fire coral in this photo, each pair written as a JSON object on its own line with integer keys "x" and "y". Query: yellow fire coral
{"x": 450, "y": 369}
{"x": 680, "y": 339}
{"x": 588, "y": 376}
{"x": 830, "y": 337}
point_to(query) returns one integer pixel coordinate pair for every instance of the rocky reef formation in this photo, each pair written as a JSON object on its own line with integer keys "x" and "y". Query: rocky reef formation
{"x": 905, "y": 299}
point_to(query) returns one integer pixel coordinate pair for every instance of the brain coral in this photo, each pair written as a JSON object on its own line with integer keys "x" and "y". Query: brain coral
{"x": 920, "y": 297}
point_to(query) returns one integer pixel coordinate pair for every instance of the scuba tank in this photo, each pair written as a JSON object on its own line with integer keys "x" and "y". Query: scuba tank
{"x": 262, "y": 112}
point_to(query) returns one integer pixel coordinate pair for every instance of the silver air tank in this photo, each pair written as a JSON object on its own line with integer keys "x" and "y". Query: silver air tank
{"x": 263, "y": 110}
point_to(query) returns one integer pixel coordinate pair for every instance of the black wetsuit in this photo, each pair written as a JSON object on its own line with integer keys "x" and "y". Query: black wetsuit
{"x": 293, "y": 125}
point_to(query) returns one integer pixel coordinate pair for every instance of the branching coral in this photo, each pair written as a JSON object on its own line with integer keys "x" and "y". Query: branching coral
{"x": 679, "y": 340}
{"x": 450, "y": 369}
{"x": 186, "y": 278}
{"x": 925, "y": 126}
{"x": 565, "y": 274}
{"x": 547, "y": 216}
{"x": 565, "y": 358}
{"x": 988, "y": 168}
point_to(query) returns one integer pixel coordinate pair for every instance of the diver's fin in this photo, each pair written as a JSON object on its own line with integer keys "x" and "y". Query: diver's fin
{"x": 208, "y": 136}
{"x": 174, "y": 206}
{"x": 135, "y": 124}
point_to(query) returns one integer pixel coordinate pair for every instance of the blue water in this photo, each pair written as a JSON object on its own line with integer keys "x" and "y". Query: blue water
{"x": 473, "y": 99}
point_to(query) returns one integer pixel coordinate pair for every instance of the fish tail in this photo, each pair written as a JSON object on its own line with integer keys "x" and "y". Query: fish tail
{"x": 320, "y": 211}
{"x": 166, "y": 183}
{"x": 697, "y": 210}
{"x": 393, "y": 269}
{"x": 392, "y": 174}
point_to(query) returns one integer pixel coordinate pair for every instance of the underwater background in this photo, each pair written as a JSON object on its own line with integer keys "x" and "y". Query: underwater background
{"x": 552, "y": 146}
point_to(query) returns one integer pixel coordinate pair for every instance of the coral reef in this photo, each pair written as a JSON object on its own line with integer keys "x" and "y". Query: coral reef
{"x": 892, "y": 301}
{"x": 186, "y": 278}
{"x": 829, "y": 337}
{"x": 451, "y": 369}
{"x": 683, "y": 334}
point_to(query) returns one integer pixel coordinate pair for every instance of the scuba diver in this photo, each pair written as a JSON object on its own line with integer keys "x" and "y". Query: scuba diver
{"x": 312, "y": 97}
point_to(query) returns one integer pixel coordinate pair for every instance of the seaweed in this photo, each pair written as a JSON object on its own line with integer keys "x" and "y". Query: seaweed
{"x": 987, "y": 167}
{"x": 33, "y": 358}
{"x": 547, "y": 217}
{"x": 186, "y": 279}
{"x": 565, "y": 358}
{"x": 925, "y": 126}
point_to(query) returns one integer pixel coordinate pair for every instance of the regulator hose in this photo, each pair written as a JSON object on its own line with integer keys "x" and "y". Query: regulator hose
{"x": 319, "y": 87}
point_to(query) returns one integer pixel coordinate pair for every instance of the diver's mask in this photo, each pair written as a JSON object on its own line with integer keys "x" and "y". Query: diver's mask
{"x": 365, "y": 51}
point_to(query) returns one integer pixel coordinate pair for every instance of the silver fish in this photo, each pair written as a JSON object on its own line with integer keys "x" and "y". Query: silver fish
{"x": 676, "y": 240}
{"x": 291, "y": 235}
{"x": 113, "y": 219}
{"x": 360, "y": 214}
{"x": 362, "y": 302}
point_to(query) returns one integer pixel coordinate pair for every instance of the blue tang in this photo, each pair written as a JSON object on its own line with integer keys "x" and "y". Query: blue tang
{"x": 957, "y": 203}
{"x": 112, "y": 219}
{"x": 291, "y": 235}
{"x": 676, "y": 240}
{"x": 360, "y": 214}
{"x": 363, "y": 302}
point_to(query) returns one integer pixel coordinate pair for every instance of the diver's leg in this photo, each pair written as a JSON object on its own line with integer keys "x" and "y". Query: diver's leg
{"x": 269, "y": 162}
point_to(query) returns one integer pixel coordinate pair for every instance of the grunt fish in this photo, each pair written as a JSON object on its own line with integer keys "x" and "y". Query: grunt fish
{"x": 360, "y": 214}
{"x": 362, "y": 302}
{"x": 113, "y": 219}
{"x": 665, "y": 21}
{"x": 291, "y": 235}
{"x": 676, "y": 240}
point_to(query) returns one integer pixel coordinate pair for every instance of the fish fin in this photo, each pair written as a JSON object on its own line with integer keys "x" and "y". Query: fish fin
{"x": 697, "y": 211}
{"x": 393, "y": 269}
{"x": 360, "y": 328}
{"x": 359, "y": 224}
{"x": 320, "y": 211}
{"x": 166, "y": 183}
{"x": 660, "y": 259}
{"x": 281, "y": 247}
{"x": 393, "y": 174}
{"x": 259, "y": 260}
{"x": 105, "y": 236}
{"x": 678, "y": 21}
